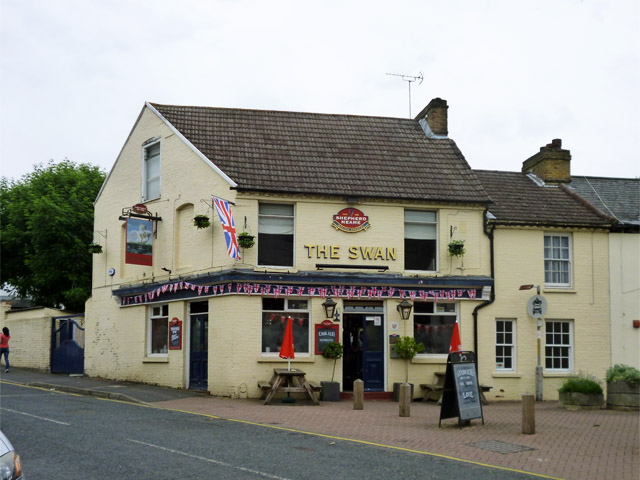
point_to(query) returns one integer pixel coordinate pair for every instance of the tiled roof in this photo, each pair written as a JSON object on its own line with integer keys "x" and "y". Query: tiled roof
{"x": 518, "y": 200}
{"x": 617, "y": 197}
{"x": 341, "y": 155}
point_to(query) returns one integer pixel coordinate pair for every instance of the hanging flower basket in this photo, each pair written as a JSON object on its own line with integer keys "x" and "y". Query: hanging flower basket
{"x": 201, "y": 221}
{"x": 246, "y": 240}
{"x": 95, "y": 248}
{"x": 456, "y": 248}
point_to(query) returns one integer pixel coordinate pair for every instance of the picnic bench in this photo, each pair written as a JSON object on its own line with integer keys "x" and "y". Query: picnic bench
{"x": 288, "y": 381}
{"x": 434, "y": 391}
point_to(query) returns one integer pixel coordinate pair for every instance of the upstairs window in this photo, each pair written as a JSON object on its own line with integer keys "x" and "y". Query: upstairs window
{"x": 275, "y": 235}
{"x": 151, "y": 172}
{"x": 420, "y": 233}
{"x": 557, "y": 260}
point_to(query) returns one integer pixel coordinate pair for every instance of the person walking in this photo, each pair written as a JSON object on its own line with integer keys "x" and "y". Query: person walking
{"x": 4, "y": 347}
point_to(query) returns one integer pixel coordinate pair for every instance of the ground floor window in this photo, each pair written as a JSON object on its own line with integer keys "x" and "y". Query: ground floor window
{"x": 275, "y": 312}
{"x": 505, "y": 345}
{"x": 558, "y": 345}
{"x": 433, "y": 325}
{"x": 158, "y": 330}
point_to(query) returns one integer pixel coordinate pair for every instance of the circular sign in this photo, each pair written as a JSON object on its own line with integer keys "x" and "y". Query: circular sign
{"x": 112, "y": 272}
{"x": 394, "y": 326}
{"x": 350, "y": 220}
{"x": 537, "y": 306}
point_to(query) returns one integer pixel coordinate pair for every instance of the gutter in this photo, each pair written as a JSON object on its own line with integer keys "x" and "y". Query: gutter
{"x": 492, "y": 297}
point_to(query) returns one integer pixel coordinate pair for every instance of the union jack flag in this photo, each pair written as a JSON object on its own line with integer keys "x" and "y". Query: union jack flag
{"x": 228, "y": 227}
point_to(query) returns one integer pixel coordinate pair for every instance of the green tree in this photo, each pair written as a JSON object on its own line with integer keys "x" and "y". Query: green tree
{"x": 46, "y": 227}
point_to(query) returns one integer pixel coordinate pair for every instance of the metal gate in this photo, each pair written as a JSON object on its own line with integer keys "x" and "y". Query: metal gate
{"x": 67, "y": 344}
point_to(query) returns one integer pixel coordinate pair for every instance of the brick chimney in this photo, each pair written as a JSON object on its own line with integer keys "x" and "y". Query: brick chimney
{"x": 433, "y": 118}
{"x": 551, "y": 164}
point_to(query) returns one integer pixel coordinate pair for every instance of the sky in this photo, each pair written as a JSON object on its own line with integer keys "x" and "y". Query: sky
{"x": 74, "y": 74}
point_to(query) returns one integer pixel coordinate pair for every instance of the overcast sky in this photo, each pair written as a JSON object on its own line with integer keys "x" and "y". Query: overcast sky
{"x": 74, "y": 74}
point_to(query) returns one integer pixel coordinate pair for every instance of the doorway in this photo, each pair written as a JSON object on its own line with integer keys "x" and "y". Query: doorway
{"x": 198, "y": 345}
{"x": 363, "y": 340}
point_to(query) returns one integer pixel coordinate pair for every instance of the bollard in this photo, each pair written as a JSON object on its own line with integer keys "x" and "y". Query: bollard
{"x": 405, "y": 400}
{"x": 528, "y": 414}
{"x": 358, "y": 395}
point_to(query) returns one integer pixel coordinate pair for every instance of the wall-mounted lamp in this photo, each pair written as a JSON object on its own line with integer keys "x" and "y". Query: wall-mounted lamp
{"x": 329, "y": 306}
{"x": 404, "y": 307}
{"x": 529, "y": 287}
{"x": 166, "y": 270}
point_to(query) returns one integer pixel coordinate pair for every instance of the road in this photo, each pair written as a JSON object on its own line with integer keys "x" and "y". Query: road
{"x": 65, "y": 436}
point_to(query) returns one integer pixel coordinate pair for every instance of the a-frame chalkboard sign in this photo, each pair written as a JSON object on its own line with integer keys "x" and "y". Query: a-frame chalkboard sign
{"x": 461, "y": 397}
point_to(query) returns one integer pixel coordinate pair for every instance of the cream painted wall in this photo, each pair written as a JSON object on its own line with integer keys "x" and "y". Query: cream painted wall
{"x": 519, "y": 260}
{"x": 624, "y": 251}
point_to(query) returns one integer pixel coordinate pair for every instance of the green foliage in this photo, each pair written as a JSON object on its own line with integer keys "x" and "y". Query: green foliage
{"x": 581, "y": 384}
{"x": 623, "y": 373}
{"x": 407, "y": 348}
{"x": 201, "y": 221}
{"x": 333, "y": 350}
{"x": 456, "y": 248}
{"x": 246, "y": 240}
{"x": 47, "y": 223}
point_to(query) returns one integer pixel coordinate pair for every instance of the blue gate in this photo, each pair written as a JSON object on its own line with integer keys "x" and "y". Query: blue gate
{"x": 67, "y": 344}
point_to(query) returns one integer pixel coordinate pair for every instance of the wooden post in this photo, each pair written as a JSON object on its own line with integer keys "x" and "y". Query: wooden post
{"x": 405, "y": 400}
{"x": 528, "y": 414}
{"x": 358, "y": 395}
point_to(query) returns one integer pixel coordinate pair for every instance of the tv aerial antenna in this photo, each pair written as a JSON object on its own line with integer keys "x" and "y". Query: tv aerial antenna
{"x": 409, "y": 79}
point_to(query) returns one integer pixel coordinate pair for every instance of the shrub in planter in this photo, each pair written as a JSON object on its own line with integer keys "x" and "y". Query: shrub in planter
{"x": 623, "y": 387}
{"x": 331, "y": 390}
{"x": 582, "y": 391}
{"x": 406, "y": 348}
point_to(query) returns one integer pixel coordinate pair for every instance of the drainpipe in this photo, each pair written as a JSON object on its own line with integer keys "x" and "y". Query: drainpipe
{"x": 492, "y": 297}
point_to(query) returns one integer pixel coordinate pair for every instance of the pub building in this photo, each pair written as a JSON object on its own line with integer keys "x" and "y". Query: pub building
{"x": 218, "y": 225}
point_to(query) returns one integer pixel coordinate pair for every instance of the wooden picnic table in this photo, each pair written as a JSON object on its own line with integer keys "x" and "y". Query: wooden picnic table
{"x": 289, "y": 381}
{"x": 435, "y": 390}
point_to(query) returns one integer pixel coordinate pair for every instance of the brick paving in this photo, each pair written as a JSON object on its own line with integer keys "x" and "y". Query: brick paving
{"x": 576, "y": 445}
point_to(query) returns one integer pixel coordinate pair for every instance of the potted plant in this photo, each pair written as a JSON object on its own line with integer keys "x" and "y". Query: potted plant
{"x": 95, "y": 248}
{"x": 406, "y": 348}
{"x": 581, "y": 391}
{"x": 246, "y": 240}
{"x": 201, "y": 221}
{"x": 331, "y": 390}
{"x": 456, "y": 248}
{"x": 623, "y": 387}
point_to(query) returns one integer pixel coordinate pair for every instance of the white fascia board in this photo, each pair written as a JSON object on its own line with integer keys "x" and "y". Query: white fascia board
{"x": 192, "y": 147}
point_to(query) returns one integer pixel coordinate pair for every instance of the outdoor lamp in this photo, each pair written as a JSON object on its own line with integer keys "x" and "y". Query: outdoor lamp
{"x": 329, "y": 306}
{"x": 404, "y": 307}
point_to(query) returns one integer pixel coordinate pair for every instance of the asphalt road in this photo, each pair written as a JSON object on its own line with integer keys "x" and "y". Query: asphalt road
{"x": 64, "y": 436}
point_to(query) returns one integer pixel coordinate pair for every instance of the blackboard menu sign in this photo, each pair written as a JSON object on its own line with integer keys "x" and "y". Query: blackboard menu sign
{"x": 326, "y": 332}
{"x": 175, "y": 334}
{"x": 461, "y": 397}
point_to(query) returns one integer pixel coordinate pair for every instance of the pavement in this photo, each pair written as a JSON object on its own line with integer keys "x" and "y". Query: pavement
{"x": 567, "y": 444}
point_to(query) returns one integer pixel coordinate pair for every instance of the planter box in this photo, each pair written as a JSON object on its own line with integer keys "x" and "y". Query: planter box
{"x": 621, "y": 395}
{"x": 330, "y": 391}
{"x": 396, "y": 391}
{"x": 581, "y": 400}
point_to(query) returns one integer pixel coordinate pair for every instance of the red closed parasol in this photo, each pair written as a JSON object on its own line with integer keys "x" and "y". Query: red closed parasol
{"x": 286, "y": 350}
{"x": 456, "y": 345}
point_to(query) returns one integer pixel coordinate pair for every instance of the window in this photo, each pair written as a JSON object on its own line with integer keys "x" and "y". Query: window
{"x": 433, "y": 325}
{"x": 151, "y": 172}
{"x": 275, "y": 312}
{"x": 420, "y": 232}
{"x": 558, "y": 345}
{"x": 557, "y": 260}
{"x": 275, "y": 235}
{"x": 505, "y": 345}
{"x": 158, "y": 332}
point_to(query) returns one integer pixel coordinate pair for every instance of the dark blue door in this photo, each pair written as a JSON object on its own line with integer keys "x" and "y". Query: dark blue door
{"x": 373, "y": 355}
{"x": 363, "y": 357}
{"x": 199, "y": 348}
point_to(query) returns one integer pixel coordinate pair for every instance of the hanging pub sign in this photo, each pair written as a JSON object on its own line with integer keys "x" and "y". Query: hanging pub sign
{"x": 461, "y": 396}
{"x": 350, "y": 220}
{"x": 139, "y": 242}
{"x": 175, "y": 334}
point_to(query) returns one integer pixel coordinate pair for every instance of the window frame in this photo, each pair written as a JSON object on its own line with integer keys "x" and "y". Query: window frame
{"x": 150, "y": 322}
{"x": 568, "y": 346}
{"x": 568, "y": 261}
{"x": 145, "y": 170}
{"x": 456, "y": 318}
{"x": 512, "y": 345}
{"x": 287, "y": 312}
{"x": 434, "y": 223}
{"x": 293, "y": 234}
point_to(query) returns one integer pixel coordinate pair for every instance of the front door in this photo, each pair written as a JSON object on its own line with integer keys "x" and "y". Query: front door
{"x": 363, "y": 341}
{"x": 199, "y": 345}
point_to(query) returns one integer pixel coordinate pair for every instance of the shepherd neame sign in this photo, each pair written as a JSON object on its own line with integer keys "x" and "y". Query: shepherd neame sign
{"x": 350, "y": 220}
